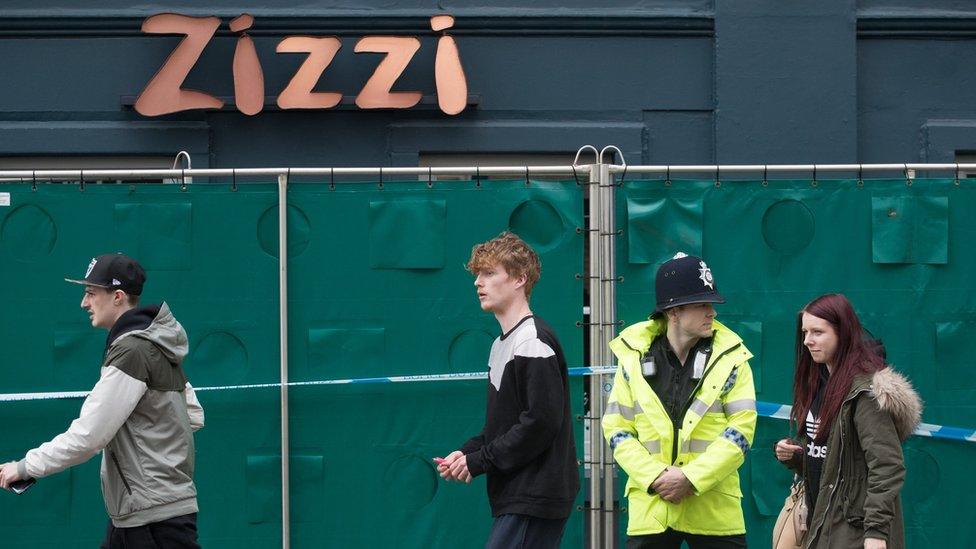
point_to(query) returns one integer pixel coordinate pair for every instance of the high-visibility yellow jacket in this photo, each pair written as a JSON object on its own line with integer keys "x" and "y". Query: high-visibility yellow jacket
{"x": 709, "y": 446}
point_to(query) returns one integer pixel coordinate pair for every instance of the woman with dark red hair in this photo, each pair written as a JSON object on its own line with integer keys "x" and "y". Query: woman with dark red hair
{"x": 851, "y": 412}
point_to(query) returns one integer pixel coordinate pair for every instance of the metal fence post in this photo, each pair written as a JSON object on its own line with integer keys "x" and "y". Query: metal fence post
{"x": 608, "y": 281}
{"x": 596, "y": 356}
{"x": 283, "y": 336}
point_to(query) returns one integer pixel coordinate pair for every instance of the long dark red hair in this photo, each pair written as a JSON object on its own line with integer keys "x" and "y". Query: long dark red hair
{"x": 855, "y": 355}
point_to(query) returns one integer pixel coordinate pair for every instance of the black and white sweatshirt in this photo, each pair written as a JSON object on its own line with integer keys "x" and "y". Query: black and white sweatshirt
{"x": 527, "y": 447}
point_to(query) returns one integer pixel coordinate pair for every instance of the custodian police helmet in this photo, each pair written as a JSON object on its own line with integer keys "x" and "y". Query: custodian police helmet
{"x": 684, "y": 279}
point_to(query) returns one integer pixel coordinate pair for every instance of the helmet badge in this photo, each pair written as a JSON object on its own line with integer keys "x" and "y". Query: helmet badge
{"x": 705, "y": 274}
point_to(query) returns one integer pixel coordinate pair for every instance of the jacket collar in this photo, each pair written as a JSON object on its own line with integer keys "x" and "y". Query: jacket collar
{"x": 139, "y": 318}
{"x": 155, "y": 324}
{"x": 639, "y": 336}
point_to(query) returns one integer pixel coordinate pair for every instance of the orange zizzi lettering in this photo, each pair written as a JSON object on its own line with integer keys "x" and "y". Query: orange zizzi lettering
{"x": 452, "y": 85}
{"x": 376, "y": 93}
{"x": 298, "y": 93}
{"x": 248, "y": 75}
{"x": 164, "y": 93}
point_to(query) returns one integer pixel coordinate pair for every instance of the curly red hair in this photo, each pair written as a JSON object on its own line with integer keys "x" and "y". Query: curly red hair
{"x": 512, "y": 253}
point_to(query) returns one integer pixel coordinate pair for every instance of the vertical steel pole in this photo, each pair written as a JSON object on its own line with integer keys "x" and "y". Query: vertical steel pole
{"x": 283, "y": 341}
{"x": 608, "y": 231}
{"x": 595, "y": 441}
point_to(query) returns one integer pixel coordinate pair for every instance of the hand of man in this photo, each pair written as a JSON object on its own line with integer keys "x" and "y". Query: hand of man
{"x": 444, "y": 465}
{"x": 672, "y": 485}
{"x": 459, "y": 469}
{"x": 8, "y": 474}
{"x": 874, "y": 543}
{"x": 785, "y": 449}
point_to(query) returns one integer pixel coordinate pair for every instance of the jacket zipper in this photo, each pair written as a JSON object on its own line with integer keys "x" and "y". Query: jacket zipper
{"x": 833, "y": 487}
{"x": 691, "y": 398}
{"x": 119, "y": 468}
{"x": 836, "y": 483}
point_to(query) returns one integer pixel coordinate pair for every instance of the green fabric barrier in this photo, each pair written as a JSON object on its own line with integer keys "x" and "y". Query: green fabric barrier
{"x": 203, "y": 256}
{"x": 381, "y": 290}
{"x": 376, "y": 288}
{"x": 902, "y": 254}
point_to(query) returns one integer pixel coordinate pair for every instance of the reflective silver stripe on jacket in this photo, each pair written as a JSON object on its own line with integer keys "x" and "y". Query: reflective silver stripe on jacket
{"x": 695, "y": 446}
{"x": 735, "y": 406}
{"x": 729, "y": 408}
{"x": 699, "y": 407}
{"x": 628, "y": 412}
{"x": 653, "y": 446}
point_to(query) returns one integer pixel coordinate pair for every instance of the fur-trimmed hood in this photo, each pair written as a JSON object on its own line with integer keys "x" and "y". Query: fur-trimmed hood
{"x": 895, "y": 395}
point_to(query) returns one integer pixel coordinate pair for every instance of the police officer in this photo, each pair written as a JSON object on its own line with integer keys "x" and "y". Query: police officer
{"x": 681, "y": 416}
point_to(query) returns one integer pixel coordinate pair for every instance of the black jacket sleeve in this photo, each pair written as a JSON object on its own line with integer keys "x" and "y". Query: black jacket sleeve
{"x": 474, "y": 443}
{"x": 795, "y": 463}
{"x": 541, "y": 383}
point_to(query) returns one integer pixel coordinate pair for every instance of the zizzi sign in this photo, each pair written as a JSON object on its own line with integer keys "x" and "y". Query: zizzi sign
{"x": 164, "y": 94}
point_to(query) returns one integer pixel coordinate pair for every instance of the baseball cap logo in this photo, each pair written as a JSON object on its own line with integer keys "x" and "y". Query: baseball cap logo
{"x": 91, "y": 266}
{"x": 705, "y": 274}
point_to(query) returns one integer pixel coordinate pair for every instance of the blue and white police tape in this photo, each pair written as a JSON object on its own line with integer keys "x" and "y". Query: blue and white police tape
{"x": 764, "y": 409}
{"x": 782, "y": 411}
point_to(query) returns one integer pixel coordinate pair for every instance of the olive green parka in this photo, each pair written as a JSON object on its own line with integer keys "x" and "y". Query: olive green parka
{"x": 864, "y": 470}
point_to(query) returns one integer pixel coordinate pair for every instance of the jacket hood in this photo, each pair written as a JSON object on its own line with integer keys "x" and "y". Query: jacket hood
{"x": 895, "y": 395}
{"x": 156, "y": 324}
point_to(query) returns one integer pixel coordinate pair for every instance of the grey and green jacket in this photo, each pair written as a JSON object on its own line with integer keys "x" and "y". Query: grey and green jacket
{"x": 142, "y": 413}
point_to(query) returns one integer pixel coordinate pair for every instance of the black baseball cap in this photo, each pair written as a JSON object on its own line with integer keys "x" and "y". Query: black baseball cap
{"x": 114, "y": 272}
{"x": 684, "y": 279}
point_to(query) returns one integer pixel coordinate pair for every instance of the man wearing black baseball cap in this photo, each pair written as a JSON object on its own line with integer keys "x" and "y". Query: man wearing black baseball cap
{"x": 685, "y": 379}
{"x": 142, "y": 412}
